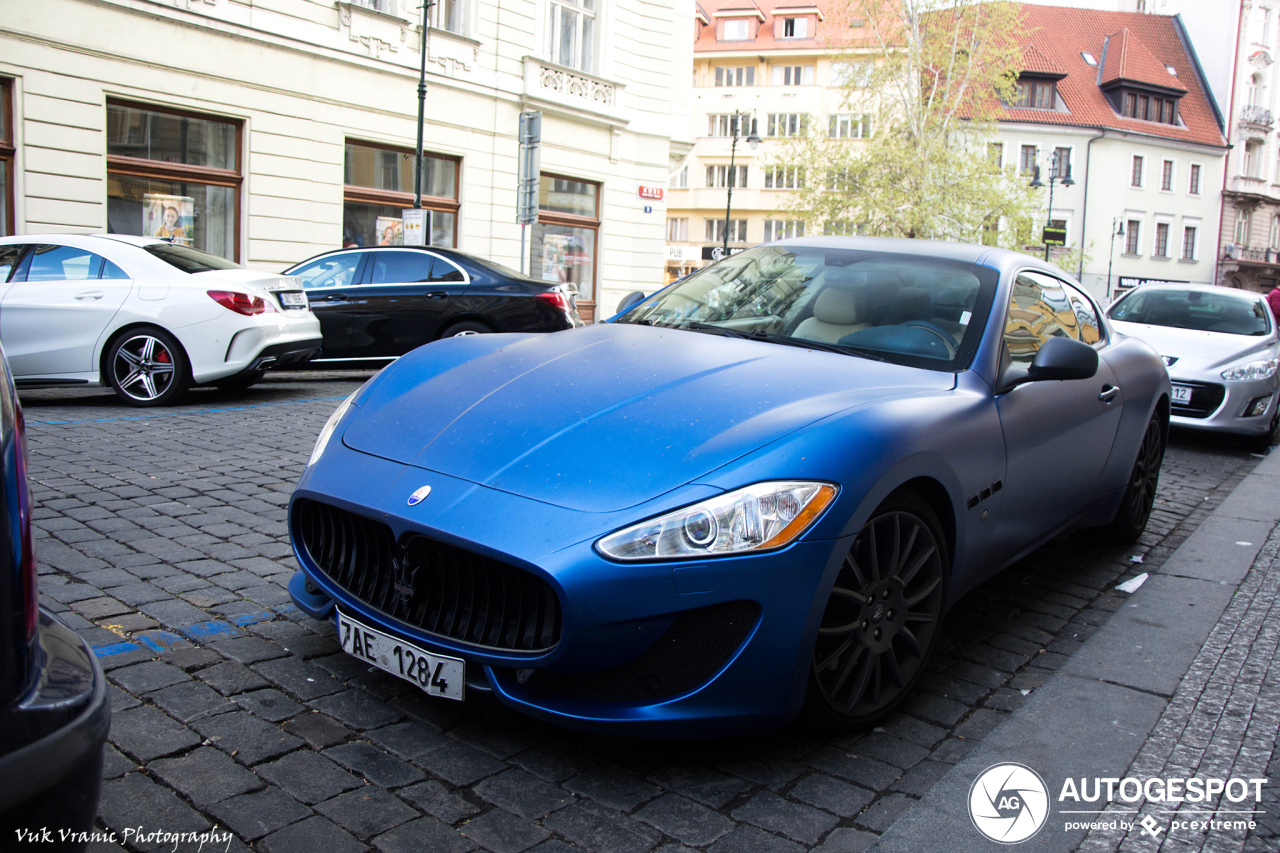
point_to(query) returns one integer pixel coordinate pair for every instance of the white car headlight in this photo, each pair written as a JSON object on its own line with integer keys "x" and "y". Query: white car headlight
{"x": 329, "y": 426}
{"x": 1254, "y": 370}
{"x": 755, "y": 518}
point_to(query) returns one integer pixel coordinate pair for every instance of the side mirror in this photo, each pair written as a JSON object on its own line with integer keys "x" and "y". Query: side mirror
{"x": 630, "y": 299}
{"x": 1064, "y": 358}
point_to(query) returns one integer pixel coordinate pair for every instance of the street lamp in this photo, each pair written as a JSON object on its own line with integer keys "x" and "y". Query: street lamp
{"x": 1117, "y": 230}
{"x": 1053, "y": 178}
{"x": 753, "y": 139}
{"x": 422, "y": 104}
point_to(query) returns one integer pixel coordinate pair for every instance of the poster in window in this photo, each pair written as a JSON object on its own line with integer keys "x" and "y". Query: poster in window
{"x": 168, "y": 217}
{"x": 389, "y": 230}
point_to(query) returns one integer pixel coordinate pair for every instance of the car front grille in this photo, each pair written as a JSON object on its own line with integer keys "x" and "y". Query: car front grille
{"x": 695, "y": 647}
{"x": 429, "y": 585}
{"x": 1206, "y": 397}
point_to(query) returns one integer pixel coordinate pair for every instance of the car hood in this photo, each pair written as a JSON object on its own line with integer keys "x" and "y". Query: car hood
{"x": 608, "y": 416}
{"x": 1199, "y": 352}
{"x": 267, "y": 281}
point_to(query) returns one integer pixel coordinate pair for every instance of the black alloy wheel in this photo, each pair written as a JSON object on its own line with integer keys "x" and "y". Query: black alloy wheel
{"x": 148, "y": 367}
{"x": 883, "y": 616}
{"x": 1140, "y": 496}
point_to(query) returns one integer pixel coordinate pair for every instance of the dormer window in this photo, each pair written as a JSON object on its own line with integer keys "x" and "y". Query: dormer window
{"x": 1149, "y": 108}
{"x": 795, "y": 28}
{"x": 737, "y": 29}
{"x": 1036, "y": 94}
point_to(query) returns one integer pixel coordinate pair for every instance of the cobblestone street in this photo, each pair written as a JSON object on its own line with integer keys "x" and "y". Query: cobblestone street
{"x": 163, "y": 542}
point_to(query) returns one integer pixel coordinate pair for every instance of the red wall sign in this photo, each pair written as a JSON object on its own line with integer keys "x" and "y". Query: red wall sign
{"x": 654, "y": 193}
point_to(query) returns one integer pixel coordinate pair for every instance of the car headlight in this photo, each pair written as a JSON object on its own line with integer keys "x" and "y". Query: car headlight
{"x": 755, "y": 518}
{"x": 322, "y": 441}
{"x": 1254, "y": 370}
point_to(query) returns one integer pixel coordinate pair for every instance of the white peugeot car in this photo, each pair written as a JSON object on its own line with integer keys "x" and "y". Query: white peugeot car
{"x": 148, "y": 317}
{"x": 1221, "y": 349}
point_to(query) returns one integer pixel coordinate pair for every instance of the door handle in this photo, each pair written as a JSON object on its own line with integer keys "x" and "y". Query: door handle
{"x": 437, "y": 294}
{"x": 90, "y": 294}
{"x": 335, "y": 297}
{"x": 1109, "y": 393}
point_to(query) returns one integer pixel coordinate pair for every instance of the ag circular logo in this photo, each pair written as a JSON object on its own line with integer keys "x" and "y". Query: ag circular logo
{"x": 1008, "y": 803}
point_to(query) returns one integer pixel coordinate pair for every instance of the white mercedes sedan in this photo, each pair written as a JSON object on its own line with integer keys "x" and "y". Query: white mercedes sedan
{"x": 1221, "y": 349}
{"x": 148, "y": 317}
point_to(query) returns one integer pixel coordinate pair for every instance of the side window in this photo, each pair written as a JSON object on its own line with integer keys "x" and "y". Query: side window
{"x": 329, "y": 271}
{"x": 63, "y": 263}
{"x": 1039, "y": 310}
{"x": 8, "y": 257}
{"x": 1086, "y": 317}
{"x": 444, "y": 271}
{"x": 111, "y": 271}
{"x": 400, "y": 267}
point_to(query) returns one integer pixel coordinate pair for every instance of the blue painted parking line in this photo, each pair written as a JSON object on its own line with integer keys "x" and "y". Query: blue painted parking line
{"x": 190, "y": 412}
{"x": 205, "y": 630}
{"x": 254, "y": 618}
{"x": 158, "y": 641}
{"x": 110, "y": 649}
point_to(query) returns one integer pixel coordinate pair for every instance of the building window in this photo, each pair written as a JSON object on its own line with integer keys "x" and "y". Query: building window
{"x": 793, "y": 75}
{"x": 174, "y": 175}
{"x": 1166, "y": 176}
{"x": 846, "y": 126}
{"x": 777, "y": 230}
{"x": 739, "y": 75}
{"x": 563, "y": 243}
{"x": 1162, "y": 240}
{"x": 378, "y": 186}
{"x": 737, "y": 231}
{"x": 839, "y": 228}
{"x": 1061, "y": 162}
{"x": 1188, "y": 243}
{"x": 995, "y": 154}
{"x": 450, "y": 15}
{"x": 680, "y": 180}
{"x": 721, "y": 176}
{"x": 1135, "y": 173}
{"x": 1266, "y": 26}
{"x": 571, "y": 33}
{"x": 1132, "y": 237}
{"x": 677, "y": 230}
{"x": 1244, "y": 227}
{"x": 737, "y": 29}
{"x": 795, "y": 28}
{"x": 788, "y": 124}
{"x": 1275, "y": 232}
{"x": 1027, "y": 159}
{"x": 1193, "y": 181}
{"x": 723, "y": 124}
{"x": 1252, "y": 158}
{"x": 784, "y": 177}
{"x": 1148, "y": 108}
{"x": 7, "y": 152}
{"x": 1036, "y": 94}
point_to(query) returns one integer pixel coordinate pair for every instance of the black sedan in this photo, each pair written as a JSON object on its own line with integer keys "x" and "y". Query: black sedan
{"x": 54, "y": 713}
{"x": 379, "y": 303}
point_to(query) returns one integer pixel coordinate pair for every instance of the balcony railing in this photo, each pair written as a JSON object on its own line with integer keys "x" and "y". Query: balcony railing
{"x": 568, "y": 87}
{"x": 1256, "y": 115}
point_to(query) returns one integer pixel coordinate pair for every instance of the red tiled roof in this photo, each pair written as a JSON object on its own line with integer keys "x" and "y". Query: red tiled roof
{"x": 1129, "y": 59}
{"x": 1062, "y": 34}
{"x": 764, "y": 40}
{"x": 1037, "y": 63}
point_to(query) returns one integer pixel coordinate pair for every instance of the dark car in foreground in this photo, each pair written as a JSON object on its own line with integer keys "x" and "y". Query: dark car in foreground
{"x": 751, "y": 495}
{"x": 379, "y": 303}
{"x": 54, "y": 714}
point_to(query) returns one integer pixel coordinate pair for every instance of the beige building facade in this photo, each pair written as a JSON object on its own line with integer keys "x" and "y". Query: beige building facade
{"x": 267, "y": 131}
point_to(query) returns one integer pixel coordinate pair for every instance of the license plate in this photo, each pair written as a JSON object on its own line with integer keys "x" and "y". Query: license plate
{"x": 1181, "y": 394}
{"x": 292, "y": 298}
{"x": 437, "y": 675}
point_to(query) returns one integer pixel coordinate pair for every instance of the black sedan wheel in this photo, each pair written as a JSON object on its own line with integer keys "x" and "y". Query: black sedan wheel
{"x": 466, "y": 327}
{"x": 147, "y": 367}
{"x": 882, "y": 618}
{"x": 1140, "y": 496}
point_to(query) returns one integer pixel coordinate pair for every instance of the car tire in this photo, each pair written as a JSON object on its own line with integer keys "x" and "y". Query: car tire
{"x": 147, "y": 367}
{"x": 466, "y": 327}
{"x": 1262, "y": 443}
{"x": 1140, "y": 495}
{"x": 240, "y": 381}
{"x": 882, "y": 617}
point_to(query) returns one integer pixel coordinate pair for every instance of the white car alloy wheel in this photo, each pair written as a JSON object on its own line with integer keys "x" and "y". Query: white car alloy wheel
{"x": 148, "y": 368}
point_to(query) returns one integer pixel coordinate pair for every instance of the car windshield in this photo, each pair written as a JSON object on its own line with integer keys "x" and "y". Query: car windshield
{"x": 908, "y": 309}
{"x": 189, "y": 260}
{"x": 1194, "y": 309}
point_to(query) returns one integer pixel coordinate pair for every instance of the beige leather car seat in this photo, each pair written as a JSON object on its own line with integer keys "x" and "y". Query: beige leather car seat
{"x": 836, "y": 312}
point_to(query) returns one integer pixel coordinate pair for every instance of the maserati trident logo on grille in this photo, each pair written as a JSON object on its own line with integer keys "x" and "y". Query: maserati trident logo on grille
{"x": 403, "y": 579}
{"x": 418, "y": 496}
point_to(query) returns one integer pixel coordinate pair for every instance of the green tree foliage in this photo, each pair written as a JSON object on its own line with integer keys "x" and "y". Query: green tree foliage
{"x": 930, "y": 75}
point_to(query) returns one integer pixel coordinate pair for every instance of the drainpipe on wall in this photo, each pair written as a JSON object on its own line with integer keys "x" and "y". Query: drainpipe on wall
{"x": 1084, "y": 212}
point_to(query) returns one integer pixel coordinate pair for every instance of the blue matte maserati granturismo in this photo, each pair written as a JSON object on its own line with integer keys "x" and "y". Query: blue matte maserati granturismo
{"x": 750, "y": 496}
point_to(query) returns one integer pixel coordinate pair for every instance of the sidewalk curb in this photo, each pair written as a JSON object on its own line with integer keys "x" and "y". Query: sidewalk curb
{"x": 1092, "y": 717}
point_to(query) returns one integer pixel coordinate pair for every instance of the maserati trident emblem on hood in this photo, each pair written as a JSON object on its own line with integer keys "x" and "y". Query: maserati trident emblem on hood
{"x": 418, "y": 496}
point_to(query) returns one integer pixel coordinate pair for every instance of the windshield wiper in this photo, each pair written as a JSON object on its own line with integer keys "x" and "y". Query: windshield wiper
{"x": 695, "y": 326}
{"x": 843, "y": 349}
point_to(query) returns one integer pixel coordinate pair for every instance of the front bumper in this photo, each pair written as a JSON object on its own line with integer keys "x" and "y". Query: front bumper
{"x": 1218, "y": 405}
{"x": 51, "y": 774}
{"x": 667, "y": 649}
